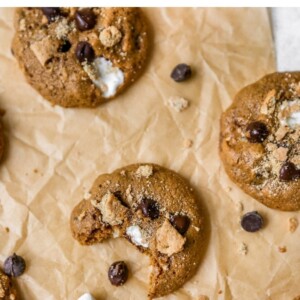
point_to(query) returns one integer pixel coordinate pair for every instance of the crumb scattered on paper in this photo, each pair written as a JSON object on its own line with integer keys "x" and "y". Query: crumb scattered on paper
{"x": 282, "y": 249}
{"x": 293, "y": 224}
{"x": 243, "y": 249}
{"x": 178, "y": 103}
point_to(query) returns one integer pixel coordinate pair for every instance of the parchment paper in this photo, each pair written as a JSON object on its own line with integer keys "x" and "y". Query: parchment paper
{"x": 54, "y": 154}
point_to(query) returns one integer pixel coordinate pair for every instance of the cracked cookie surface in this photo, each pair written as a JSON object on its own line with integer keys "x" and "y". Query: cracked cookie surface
{"x": 260, "y": 140}
{"x": 80, "y": 57}
{"x": 153, "y": 208}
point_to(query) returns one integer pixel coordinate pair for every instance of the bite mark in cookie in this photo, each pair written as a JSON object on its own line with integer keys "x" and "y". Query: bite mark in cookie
{"x": 154, "y": 209}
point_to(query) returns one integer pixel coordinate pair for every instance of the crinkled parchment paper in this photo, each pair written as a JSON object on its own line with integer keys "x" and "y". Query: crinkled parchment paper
{"x": 54, "y": 154}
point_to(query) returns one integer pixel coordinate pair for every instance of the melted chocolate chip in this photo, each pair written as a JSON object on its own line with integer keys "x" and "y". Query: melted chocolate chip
{"x": 14, "y": 265}
{"x": 181, "y": 72}
{"x": 252, "y": 221}
{"x": 64, "y": 46}
{"x": 257, "y": 132}
{"x": 180, "y": 222}
{"x": 149, "y": 208}
{"x": 118, "y": 273}
{"x": 84, "y": 52}
{"x": 85, "y": 19}
{"x": 51, "y": 13}
{"x": 288, "y": 172}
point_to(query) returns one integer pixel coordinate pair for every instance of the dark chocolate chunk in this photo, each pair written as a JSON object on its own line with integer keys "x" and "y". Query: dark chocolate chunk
{"x": 118, "y": 273}
{"x": 85, "y": 19}
{"x": 257, "y": 132}
{"x": 180, "y": 222}
{"x": 64, "y": 46}
{"x": 14, "y": 265}
{"x": 181, "y": 72}
{"x": 149, "y": 208}
{"x": 288, "y": 172}
{"x": 85, "y": 52}
{"x": 252, "y": 221}
{"x": 51, "y": 13}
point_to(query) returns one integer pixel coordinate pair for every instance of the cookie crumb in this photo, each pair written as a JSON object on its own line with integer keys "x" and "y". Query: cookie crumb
{"x": 293, "y": 224}
{"x": 110, "y": 36}
{"x": 144, "y": 171}
{"x": 6, "y": 229}
{"x": 243, "y": 249}
{"x": 188, "y": 143}
{"x": 282, "y": 249}
{"x": 178, "y": 103}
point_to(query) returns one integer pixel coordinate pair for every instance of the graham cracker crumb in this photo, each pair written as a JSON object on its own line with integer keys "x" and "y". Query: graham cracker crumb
{"x": 293, "y": 224}
{"x": 110, "y": 36}
{"x": 144, "y": 171}
{"x": 187, "y": 143}
{"x": 178, "y": 103}
{"x": 62, "y": 29}
{"x": 22, "y": 25}
{"x": 90, "y": 70}
{"x": 168, "y": 240}
{"x": 282, "y": 249}
{"x": 243, "y": 249}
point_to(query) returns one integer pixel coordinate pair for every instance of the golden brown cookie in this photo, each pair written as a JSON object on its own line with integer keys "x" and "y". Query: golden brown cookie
{"x": 260, "y": 140}
{"x": 153, "y": 208}
{"x": 80, "y": 57}
{"x": 7, "y": 291}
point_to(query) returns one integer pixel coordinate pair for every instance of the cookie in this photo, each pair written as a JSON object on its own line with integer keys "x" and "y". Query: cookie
{"x": 153, "y": 208}
{"x": 260, "y": 140}
{"x": 80, "y": 57}
{"x": 7, "y": 291}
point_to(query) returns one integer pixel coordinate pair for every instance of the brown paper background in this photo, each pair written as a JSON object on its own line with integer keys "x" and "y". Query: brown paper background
{"x": 54, "y": 154}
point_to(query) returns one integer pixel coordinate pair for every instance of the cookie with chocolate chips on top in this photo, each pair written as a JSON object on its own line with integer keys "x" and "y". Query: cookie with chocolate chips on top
{"x": 153, "y": 208}
{"x": 80, "y": 57}
{"x": 260, "y": 140}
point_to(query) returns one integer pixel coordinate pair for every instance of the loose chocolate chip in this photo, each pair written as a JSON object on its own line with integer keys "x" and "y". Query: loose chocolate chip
{"x": 149, "y": 208}
{"x": 180, "y": 222}
{"x": 14, "y": 265}
{"x": 288, "y": 172}
{"x": 64, "y": 46}
{"x": 51, "y": 13}
{"x": 85, "y": 19}
{"x": 118, "y": 273}
{"x": 252, "y": 221}
{"x": 84, "y": 52}
{"x": 257, "y": 132}
{"x": 181, "y": 72}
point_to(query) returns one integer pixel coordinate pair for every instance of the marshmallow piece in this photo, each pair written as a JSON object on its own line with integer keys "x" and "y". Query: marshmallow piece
{"x": 111, "y": 208}
{"x": 136, "y": 235}
{"x": 294, "y": 119}
{"x": 178, "y": 103}
{"x": 107, "y": 77}
{"x": 168, "y": 239}
{"x": 45, "y": 49}
{"x": 86, "y": 296}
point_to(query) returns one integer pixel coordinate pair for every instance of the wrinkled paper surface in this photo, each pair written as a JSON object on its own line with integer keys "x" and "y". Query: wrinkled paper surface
{"x": 54, "y": 154}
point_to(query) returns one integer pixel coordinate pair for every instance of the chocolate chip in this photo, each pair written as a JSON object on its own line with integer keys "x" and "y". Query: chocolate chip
{"x": 149, "y": 208}
{"x": 118, "y": 273}
{"x": 252, "y": 221}
{"x": 180, "y": 222}
{"x": 14, "y": 265}
{"x": 257, "y": 132}
{"x": 51, "y": 13}
{"x": 85, "y": 19}
{"x": 64, "y": 46}
{"x": 181, "y": 72}
{"x": 84, "y": 52}
{"x": 288, "y": 172}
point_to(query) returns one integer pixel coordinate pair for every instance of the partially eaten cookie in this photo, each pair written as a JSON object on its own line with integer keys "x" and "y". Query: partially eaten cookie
{"x": 153, "y": 208}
